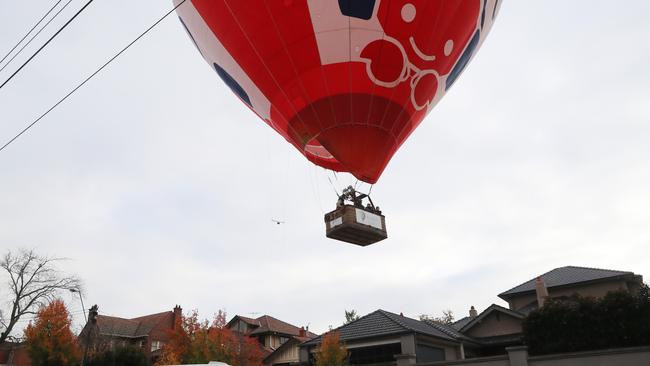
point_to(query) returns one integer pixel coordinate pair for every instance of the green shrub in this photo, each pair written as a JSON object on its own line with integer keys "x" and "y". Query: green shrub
{"x": 577, "y": 323}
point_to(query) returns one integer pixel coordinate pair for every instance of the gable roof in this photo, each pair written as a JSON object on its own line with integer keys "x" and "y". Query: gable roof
{"x": 293, "y": 341}
{"x": 566, "y": 276}
{"x": 492, "y": 308}
{"x": 269, "y": 324}
{"x": 381, "y": 323}
{"x": 135, "y": 327}
{"x": 460, "y": 323}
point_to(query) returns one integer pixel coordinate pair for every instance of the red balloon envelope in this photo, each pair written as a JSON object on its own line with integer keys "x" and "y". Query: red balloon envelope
{"x": 347, "y": 81}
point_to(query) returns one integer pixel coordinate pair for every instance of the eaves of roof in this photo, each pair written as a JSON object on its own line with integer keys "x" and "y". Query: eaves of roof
{"x": 568, "y": 276}
{"x": 293, "y": 341}
{"x": 381, "y": 323}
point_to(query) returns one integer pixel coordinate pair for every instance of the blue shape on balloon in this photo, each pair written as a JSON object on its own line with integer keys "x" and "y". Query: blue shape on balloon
{"x": 483, "y": 13}
{"x": 233, "y": 84}
{"x": 361, "y": 9}
{"x": 463, "y": 60}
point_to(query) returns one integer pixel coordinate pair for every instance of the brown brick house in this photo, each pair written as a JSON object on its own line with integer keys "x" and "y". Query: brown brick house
{"x": 279, "y": 339}
{"x": 148, "y": 332}
{"x": 14, "y": 354}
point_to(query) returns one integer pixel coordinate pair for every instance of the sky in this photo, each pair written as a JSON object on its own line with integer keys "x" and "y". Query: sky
{"x": 159, "y": 186}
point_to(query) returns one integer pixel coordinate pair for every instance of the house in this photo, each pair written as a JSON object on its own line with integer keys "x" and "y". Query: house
{"x": 386, "y": 338}
{"x": 498, "y": 327}
{"x": 279, "y": 339}
{"x": 382, "y": 337}
{"x": 566, "y": 281}
{"x": 14, "y": 354}
{"x": 492, "y": 330}
{"x": 148, "y": 332}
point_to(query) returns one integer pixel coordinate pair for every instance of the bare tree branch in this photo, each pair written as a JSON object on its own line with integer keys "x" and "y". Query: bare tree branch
{"x": 33, "y": 281}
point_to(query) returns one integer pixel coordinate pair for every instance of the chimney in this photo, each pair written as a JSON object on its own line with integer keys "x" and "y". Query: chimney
{"x": 178, "y": 313}
{"x": 541, "y": 291}
{"x": 473, "y": 313}
{"x": 303, "y": 332}
{"x": 93, "y": 312}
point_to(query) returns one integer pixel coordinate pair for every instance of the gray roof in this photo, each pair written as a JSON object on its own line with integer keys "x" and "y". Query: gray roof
{"x": 460, "y": 323}
{"x": 450, "y": 330}
{"x": 486, "y": 312}
{"x": 566, "y": 276}
{"x": 381, "y": 323}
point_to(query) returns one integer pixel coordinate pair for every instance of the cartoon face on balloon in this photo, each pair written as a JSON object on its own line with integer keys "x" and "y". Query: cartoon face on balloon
{"x": 411, "y": 52}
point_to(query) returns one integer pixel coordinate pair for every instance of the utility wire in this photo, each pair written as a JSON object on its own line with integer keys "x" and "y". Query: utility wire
{"x": 91, "y": 76}
{"x": 46, "y": 43}
{"x": 30, "y": 31}
{"x": 35, "y": 35}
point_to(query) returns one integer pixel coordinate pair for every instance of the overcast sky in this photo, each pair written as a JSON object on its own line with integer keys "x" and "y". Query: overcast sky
{"x": 160, "y": 185}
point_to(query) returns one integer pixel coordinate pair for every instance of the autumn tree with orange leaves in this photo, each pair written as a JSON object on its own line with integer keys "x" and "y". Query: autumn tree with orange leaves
{"x": 331, "y": 351}
{"x": 195, "y": 341}
{"x": 50, "y": 342}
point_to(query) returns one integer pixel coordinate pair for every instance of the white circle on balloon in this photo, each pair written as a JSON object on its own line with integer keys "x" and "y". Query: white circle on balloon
{"x": 449, "y": 46}
{"x": 408, "y": 12}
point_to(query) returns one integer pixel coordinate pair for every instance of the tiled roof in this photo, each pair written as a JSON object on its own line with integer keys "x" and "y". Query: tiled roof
{"x": 110, "y": 325}
{"x": 566, "y": 276}
{"x": 269, "y": 324}
{"x": 382, "y": 323}
{"x": 133, "y": 328}
{"x": 447, "y": 329}
{"x": 460, "y": 323}
{"x": 250, "y": 321}
{"x": 486, "y": 312}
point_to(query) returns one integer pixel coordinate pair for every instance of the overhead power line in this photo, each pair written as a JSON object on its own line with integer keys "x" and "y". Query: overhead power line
{"x": 30, "y": 31}
{"x": 91, "y": 76}
{"x": 34, "y": 36}
{"x": 46, "y": 43}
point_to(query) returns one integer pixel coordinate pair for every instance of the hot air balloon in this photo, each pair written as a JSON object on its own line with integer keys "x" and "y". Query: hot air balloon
{"x": 346, "y": 82}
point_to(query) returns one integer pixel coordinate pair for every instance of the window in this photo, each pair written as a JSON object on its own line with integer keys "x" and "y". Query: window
{"x": 283, "y": 339}
{"x": 242, "y": 327}
{"x": 156, "y": 345}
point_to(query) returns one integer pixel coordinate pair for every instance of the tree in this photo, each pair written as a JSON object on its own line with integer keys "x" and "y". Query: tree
{"x": 446, "y": 318}
{"x": 331, "y": 351}
{"x": 33, "y": 282}
{"x": 50, "y": 342}
{"x": 195, "y": 341}
{"x": 351, "y": 316}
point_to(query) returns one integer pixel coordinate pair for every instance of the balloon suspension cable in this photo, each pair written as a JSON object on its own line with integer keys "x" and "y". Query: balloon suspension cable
{"x": 352, "y": 195}
{"x": 333, "y": 187}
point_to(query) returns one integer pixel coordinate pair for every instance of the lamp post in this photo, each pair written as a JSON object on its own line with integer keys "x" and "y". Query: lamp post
{"x": 76, "y": 290}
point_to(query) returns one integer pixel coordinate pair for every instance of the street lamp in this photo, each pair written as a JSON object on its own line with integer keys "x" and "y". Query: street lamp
{"x": 83, "y": 358}
{"x": 82, "y": 302}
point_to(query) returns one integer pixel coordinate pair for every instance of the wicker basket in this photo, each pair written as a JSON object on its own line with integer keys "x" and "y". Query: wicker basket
{"x": 355, "y": 225}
